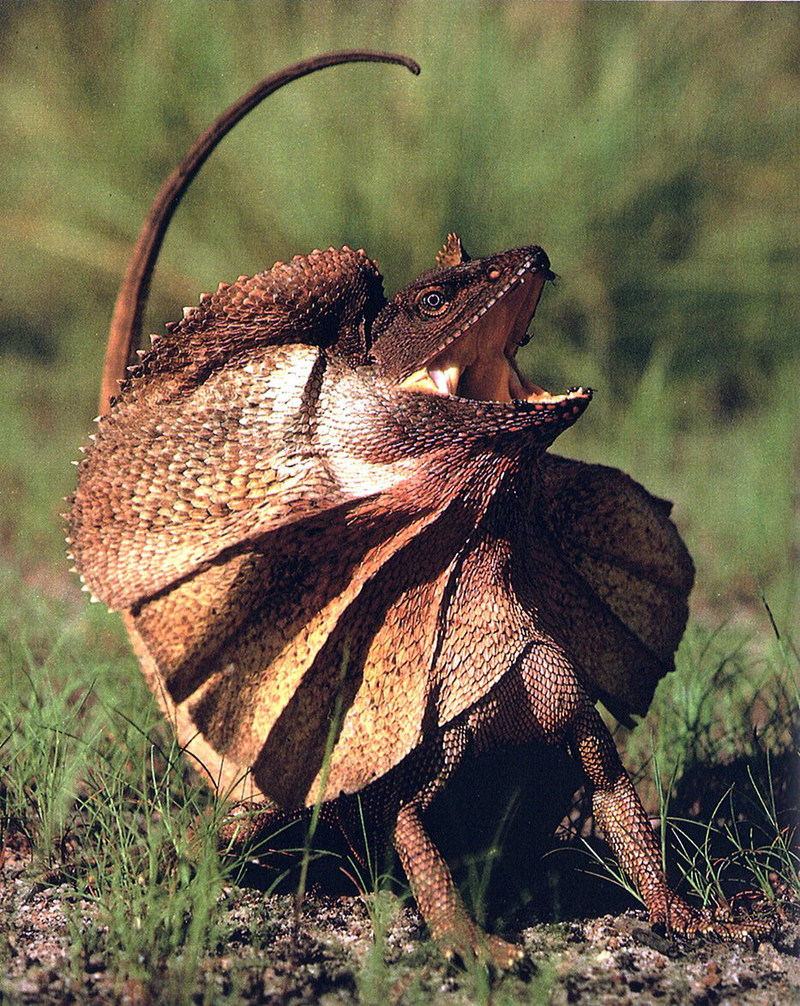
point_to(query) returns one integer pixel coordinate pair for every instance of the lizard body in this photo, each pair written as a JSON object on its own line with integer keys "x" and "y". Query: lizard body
{"x": 328, "y": 517}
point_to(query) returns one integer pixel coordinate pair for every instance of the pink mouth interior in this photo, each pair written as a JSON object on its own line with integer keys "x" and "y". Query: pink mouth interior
{"x": 480, "y": 364}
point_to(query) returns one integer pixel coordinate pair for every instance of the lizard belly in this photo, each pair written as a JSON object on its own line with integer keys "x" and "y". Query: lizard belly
{"x": 536, "y": 700}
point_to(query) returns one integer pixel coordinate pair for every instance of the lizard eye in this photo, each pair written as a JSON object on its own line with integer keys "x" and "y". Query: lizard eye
{"x": 433, "y": 301}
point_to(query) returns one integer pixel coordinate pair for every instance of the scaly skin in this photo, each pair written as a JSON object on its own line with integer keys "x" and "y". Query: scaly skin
{"x": 346, "y": 558}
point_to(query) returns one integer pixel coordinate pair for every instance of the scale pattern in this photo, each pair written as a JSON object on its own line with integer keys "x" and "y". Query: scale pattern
{"x": 311, "y": 558}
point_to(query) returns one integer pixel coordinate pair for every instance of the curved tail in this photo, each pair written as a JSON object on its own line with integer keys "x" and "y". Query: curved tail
{"x": 125, "y": 331}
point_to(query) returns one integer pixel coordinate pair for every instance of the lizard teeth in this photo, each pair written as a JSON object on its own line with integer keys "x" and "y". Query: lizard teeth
{"x": 446, "y": 381}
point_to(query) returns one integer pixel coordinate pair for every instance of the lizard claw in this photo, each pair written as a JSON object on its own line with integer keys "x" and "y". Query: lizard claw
{"x": 683, "y": 920}
{"x": 501, "y": 954}
{"x": 497, "y": 954}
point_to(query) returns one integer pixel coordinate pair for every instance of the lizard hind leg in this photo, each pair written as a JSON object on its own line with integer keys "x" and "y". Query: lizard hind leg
{"x": 266, "y": 845}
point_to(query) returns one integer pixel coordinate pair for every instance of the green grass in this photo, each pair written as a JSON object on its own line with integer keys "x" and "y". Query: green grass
{"x": 717, "y": 758}
{"x": 94, "y": 786}
{"x": 666, "y": 202}
{"x": 653, "y": 155}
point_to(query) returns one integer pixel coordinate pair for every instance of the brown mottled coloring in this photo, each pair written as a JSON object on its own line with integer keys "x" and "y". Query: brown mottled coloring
{"x": 308, "y": 500}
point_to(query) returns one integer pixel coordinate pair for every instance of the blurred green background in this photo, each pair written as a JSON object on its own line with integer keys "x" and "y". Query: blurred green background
{"x": 650, "y": 148}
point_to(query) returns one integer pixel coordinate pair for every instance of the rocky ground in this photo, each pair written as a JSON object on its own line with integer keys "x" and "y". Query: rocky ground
{"x": 331, "y": 957}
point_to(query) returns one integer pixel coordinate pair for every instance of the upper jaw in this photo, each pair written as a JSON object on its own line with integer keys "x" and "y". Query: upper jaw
{"x": 479, "y": 363}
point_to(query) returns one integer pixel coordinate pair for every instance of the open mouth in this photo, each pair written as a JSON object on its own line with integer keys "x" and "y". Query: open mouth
{"x": 479, "y": 363}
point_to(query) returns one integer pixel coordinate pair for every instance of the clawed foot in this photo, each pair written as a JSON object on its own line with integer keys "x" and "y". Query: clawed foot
{"x": 248, "y": 821}
{"x": 494, "y": 952}
{"x": 683, "y": 920}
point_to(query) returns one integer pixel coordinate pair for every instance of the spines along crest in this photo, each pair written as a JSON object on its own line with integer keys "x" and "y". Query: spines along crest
{"x": 345, "y": 556}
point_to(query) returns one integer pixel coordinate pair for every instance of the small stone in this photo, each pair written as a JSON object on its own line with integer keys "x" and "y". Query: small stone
{"x": 747, "y": 980}
{"x": 712, "y": 976}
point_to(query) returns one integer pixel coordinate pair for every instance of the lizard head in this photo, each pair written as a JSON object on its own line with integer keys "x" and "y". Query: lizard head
{"x": 455, "y": 331}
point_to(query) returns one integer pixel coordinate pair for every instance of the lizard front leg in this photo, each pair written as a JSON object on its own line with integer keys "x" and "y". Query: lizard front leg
{"x": 620, "y": 814}
{"x": 449, "y": 922}
{"x": 451, "y": 927}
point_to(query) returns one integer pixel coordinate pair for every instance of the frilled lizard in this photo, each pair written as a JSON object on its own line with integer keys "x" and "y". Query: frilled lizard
{"x": 345, "y": 556}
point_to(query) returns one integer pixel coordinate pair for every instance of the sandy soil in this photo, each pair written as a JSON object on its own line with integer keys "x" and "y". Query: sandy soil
{"x": 331, "y": 958}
